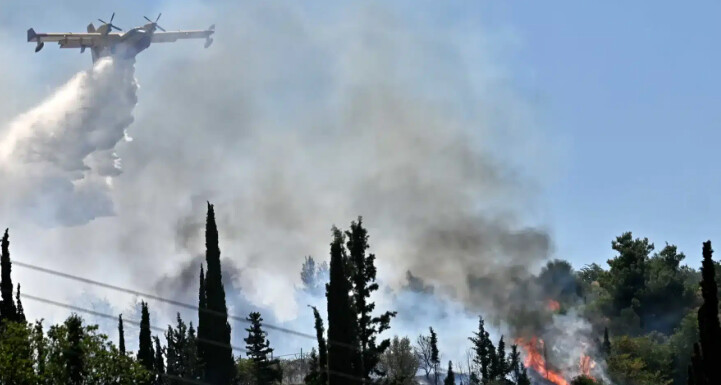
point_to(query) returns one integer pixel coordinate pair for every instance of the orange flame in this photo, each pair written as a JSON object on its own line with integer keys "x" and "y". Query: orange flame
{"x": 553, "y": 305}
{"x": 586, "y": 365}
{"x": 534, "y": 359}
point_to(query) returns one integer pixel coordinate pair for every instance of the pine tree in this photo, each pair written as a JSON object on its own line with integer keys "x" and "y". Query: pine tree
{"x": 258, "y": 347}
{"x": 484, "y": 351}
{"x": 515, "y": 363}
{"x": 7, "y": 305}
{"x": 707, "y": 352}
{"x": 342, "y": 322}
{"x": 450, "y": 376}
{"x": 500, "y": 365}
{"x": 435, "y": 355}
{"x": 145, "y": 342}
{"x": 363, "y": 278}
{"x": 121, "y": 335}
{"x": 19, "y": 307}
{"x": 159, "y": 362}
{"x": 322, "y": 349}
{"x": 218, "y": 356}
{"x": 73, "y": 352}
{"x": 190, "y": 356}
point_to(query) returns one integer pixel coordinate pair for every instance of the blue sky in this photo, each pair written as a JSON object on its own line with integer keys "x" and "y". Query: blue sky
{"x": 632, "y": 89}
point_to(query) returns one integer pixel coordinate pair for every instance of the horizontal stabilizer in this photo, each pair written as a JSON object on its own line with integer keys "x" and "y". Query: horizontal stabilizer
{"x": 31, "y": 34}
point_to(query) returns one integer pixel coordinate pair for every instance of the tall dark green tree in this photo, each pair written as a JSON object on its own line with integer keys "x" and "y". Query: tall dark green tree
{"x": 342, "y": 321}
{"x": 121, "y": 335}
{"x": 159, "y": 362}
{"x": 202, "y": 315}
{"x": 267, "y": 370}
{"x": 322, "y": 348}
{"x": 435, "y": 355}
{"x": 606, "y": 343}
{"x": 707, "y": 352}
{"x": 363, "y": 277}
{"x": 73, "y": 352}
{"x": 8, "y": 311}
{"x": 482, "y": 348}
{"x": 146, "y": 355}
{"x": 500, "y": 365}
{"x": 450, "y": 376}
{"x": 19, "y": 307}
{"x": 214, "y": 326}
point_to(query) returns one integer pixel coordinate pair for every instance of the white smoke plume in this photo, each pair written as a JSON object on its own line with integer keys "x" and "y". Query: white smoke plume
{"x": 58, "y": 159}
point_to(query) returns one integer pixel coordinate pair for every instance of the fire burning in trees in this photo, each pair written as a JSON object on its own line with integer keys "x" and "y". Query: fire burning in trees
{"x": 535, "y": 358}
{"x": 553, "y": 305}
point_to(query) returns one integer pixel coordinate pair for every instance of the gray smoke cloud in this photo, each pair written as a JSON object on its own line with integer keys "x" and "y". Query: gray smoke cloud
{"x": 292, "y": 122}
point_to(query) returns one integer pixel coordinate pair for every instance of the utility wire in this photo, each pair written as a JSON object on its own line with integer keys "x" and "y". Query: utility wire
{"x": 133, "y": 322}
{"x": 172, "y": 302}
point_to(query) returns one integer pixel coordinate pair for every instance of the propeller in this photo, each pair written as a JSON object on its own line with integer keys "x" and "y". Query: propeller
{"x": 111, "y": 22}
{"x": 155, "y": 23}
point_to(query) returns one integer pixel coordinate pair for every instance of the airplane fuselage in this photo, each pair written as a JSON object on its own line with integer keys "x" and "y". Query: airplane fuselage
{"x": 130, "y": 44}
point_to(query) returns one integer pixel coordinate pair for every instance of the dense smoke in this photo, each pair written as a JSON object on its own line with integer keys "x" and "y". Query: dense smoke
{"x": 59, "y": 157}
{"x": 289, "y": 126}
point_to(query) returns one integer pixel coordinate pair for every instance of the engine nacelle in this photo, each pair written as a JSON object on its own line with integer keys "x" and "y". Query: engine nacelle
{"x": 39, "y": 46}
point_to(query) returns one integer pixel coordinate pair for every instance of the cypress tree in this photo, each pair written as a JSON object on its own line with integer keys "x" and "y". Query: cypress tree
{"x": 19, "y": 307}
{"x": 267, "y": 371}
{"x": 158, "y": 362}
{"x": 435, "y": 355}
{"x": 145, "y": 342}
{"x": 218, "y": 357}
{"x": 450, "y": 376}
{"x": 322, "y": 349}
{"x": 7, "y": 305}
{"x": 73, "y": 352}
{"x": 342, "y": 322}
{"x": 39, "y": 345}
{"x": 202, "y": 308}
{"x": 363, "y": 277}
{"x": 121, "y": 335}
{"x": 606, "y": 343}
{"x": 707, "y": 352}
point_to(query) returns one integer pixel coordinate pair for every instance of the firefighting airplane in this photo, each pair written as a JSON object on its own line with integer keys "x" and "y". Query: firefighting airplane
{"x": 103, "y": 42}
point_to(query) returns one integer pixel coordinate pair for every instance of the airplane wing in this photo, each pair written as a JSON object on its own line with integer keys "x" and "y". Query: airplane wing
{"x": 169, "y": 37}
{"x": 71, "y": 40}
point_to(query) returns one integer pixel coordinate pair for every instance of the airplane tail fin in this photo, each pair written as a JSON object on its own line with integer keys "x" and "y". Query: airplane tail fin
{"x": 91, "y": 28}
{"x": 31, "y": 34}
{"x": 211, "y": 28}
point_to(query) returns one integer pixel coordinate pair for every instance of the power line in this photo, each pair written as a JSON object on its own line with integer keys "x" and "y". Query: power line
{"x": 172, "y": 302}
{"x": 155, "y": 297}
{"x": 133, "y": 322}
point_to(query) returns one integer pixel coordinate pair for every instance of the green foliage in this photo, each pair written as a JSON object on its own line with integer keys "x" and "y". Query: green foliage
{"x": 399, "y": 363}
{"x": 146, "y": 356}
{"x": 77, "y": 354}
{"x": 8, "y": 311}
{"x": 213, "y": 326}
{"x": 181, "y": 353}
{"x": 363, "y": 278}
{"x": 583, "y": 380}
{"x": 640, "y": 360}
{"x": 321, "y": 377}
{"x": 17, "y": 354}
{"x": 267, "y": 371}
{"x": 450, "y": 376}
{"x": 342, "y": 323}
